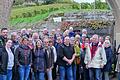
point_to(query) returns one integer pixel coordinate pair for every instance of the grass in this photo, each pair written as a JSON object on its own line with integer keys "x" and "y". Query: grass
{"x": 39, "y": 17}
{"x": 19, "y": 11}
{"x": 62, "y": 8}
{"x": 29, "y": 20}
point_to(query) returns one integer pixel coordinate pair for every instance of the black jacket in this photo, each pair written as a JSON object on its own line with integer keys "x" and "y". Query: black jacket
{"x": 2, "y": 41}
{"x": 23, "y": 55}
{"x": 4, "y": 61}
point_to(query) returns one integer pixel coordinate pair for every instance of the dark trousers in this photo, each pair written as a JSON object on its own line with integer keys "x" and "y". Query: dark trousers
{"x": 54, "y": 74}
{"x": 15, "y": 73}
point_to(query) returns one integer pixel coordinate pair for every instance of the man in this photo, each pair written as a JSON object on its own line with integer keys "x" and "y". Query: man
{"x": 51, "y": 44}
{"x": 84, "y": 32}
{"x": 49, "y": 58}
{"x": 15, "y": 42}
{"x": 29, "y": 32}
{"x": 14, "y": 46}
{"x": 101, "y": 40}
{"x": 35, "y": 37}
{"x": 24, "y": 32}
{"x": 66, "y": 56}
{"x": 58, "y": 45}
{"x": 3, "y": 36}
{"x": 45, "y": 33}
{"x": 95, "y": 58}
{"x": 71, "y": 33}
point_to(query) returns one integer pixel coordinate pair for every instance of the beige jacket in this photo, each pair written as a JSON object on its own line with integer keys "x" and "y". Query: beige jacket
{"x": 98, "y": 60}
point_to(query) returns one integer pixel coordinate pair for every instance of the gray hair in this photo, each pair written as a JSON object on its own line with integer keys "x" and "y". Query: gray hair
{"x": 107, "y": 41}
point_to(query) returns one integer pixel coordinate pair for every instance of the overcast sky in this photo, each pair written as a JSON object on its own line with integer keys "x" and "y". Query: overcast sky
{"x": 90, "y": 1}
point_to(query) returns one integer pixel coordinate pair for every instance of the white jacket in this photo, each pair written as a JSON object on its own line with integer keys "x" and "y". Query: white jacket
{"x": 97, "y": 60}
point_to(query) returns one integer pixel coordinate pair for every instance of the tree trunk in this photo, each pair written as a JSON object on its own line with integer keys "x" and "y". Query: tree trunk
{"x": 5, "y": 10}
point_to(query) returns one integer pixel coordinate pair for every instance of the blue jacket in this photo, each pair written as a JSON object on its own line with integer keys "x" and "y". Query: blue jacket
{"x": 109, "y": 55}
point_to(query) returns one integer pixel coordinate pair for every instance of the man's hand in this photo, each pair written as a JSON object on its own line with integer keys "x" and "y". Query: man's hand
{"x": 101, "y": 66}
{"x": 70, "y": 61}
{"x": 87, "y": 66}
{"x": 48, "y": 69}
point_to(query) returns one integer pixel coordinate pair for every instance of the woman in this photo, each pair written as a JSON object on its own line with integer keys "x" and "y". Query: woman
{"x": 118, "y": 62}
{"x": 77, "y": 60}
{"x": 108, "y": 67}
{"x": 23, "y": 59}
{"x": 7, "y": 62}
{"x": 83, "y": 70}
{"x": 39, "y": 61}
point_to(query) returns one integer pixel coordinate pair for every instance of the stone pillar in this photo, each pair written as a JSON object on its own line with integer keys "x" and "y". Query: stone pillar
{"x": 117, "y": 27}
{"x": 114, "y": 4}
{"x": 5, "y": 9}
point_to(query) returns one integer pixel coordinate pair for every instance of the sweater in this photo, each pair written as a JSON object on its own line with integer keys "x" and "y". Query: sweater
{"x": 10, "y": 59}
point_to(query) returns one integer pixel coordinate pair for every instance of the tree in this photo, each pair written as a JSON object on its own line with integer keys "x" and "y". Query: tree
{"x": 5, "y": 9}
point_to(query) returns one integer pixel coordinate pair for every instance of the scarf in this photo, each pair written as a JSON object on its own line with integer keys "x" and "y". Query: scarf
{"x": 93, "y": 49}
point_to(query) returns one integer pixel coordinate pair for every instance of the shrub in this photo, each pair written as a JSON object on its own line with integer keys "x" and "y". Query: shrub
{"x": 18, "y": 2}
{"x": 75, "y": 6}
{"x": 29, "y": 4}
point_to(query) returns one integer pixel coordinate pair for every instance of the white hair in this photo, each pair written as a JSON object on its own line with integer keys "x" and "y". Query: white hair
{"x": 84, "y": 30}
{"x": 71, "y": 28}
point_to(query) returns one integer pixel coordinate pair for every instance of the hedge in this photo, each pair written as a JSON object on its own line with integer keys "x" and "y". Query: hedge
{"x": 35, "y": 10}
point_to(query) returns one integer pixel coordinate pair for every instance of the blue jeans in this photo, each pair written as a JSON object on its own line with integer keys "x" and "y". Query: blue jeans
{"x": 3, "y": 77}
{"x": 8, "y": 76}
{"x": 106, "y": 75}
{"x": 95, "y": 72}
{"x": 24, "y": 71}
{"x": 74, "y": 67}
{"x": 67, "y": 70}
{"x": 49, "y": 74}
{"x": 118, "y": 75}
{"x": 39, "y": 76}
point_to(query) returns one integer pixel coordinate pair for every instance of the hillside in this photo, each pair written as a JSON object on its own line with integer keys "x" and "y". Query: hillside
{"x": 38, "y": 13}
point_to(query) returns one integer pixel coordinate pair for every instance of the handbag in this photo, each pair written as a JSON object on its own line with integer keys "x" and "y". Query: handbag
{"x": 77, "y": 60}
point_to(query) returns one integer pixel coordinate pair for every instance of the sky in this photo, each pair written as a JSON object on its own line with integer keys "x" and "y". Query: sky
{"x": 90, "y": 1}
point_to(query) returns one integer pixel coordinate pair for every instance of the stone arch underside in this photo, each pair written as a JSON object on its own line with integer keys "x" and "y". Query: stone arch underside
{"x": 5, "y": 7}
{"x": 115, "y": 7}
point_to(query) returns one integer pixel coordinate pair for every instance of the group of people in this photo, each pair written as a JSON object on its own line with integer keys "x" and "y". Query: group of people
{"x": 70, "y": 55}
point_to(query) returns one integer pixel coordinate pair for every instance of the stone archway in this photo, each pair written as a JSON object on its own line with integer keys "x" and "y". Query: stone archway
{"x": 115, "y": 7}
{"x": 5, "y": 7}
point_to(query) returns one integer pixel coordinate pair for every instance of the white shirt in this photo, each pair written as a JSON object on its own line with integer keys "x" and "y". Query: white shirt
{"x": 10, "y": 58}
{"x": 55, "y": 53}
